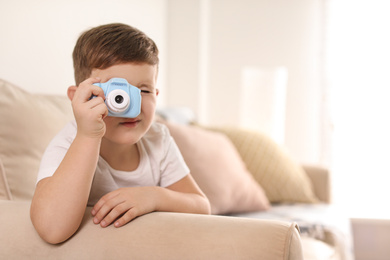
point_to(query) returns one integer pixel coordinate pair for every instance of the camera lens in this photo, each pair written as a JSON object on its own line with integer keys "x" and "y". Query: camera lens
{"x": 119, "y": 99}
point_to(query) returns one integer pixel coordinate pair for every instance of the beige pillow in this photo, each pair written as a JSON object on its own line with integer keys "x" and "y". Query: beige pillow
{"x": 218, "y": 169}
{"x": 5, "y": 193}
{"x": 27, "y": 124}
{"x": 282, "y": 179}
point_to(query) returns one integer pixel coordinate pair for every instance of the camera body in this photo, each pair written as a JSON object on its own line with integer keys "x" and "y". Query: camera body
{"x": 122, "y": 98}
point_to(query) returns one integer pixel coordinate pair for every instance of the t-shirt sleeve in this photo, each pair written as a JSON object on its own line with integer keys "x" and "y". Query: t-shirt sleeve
{"x": 55, "y": 151}
{"x": 173, "y": 167}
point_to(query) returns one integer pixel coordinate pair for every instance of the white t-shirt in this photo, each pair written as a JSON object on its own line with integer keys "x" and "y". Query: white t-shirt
{"x": 161, "y": 163}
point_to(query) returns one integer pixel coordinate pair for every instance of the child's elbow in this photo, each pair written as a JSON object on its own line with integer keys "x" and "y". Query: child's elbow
{"x": 53, "y": 237}
{"x": 206, "y": 207}
{"x": 52, "y": 233}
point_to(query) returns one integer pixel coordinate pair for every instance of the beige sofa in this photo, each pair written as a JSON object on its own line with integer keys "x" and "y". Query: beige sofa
{"x": 29, "y": 121}
{"x": 152, "y": 236}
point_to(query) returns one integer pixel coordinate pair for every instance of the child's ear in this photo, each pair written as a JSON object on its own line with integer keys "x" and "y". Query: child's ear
{"x": 71, "y": 91}
{"x": 157, "y": 91}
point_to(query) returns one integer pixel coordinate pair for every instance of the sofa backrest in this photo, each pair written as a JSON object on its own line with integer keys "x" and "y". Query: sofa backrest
{"x": 27, "y": 124}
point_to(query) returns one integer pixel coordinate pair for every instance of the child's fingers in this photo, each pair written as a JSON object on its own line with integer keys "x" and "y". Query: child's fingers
{"x": 99, "y": 204}
{"x": 115, "y": 213}
{"x": 86, "y": 89}
{"x": 88, "y": 92}
{"x": 94, "y": 102}
{"x": 100, "y": 108}
{"x": 103, "y": 206}
{"x": 117, "y": 206}
{"x": 127, "y": 217}
{"x": 97, "y": 92}
{"x": 105, "y": 215}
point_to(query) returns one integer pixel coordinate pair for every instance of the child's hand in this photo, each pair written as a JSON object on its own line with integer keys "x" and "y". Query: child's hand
{"x": 89, "y": 113}
{"x": 126, "y": 203}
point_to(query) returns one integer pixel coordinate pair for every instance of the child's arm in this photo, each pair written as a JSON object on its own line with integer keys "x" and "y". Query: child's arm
{"x": 59, "y": 201}
{"x": 183, "y": 196}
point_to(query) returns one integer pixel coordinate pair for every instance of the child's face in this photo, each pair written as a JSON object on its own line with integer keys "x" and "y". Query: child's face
{"x": 143, "y": 76}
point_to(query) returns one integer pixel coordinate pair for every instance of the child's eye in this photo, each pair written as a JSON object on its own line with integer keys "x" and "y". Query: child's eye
{"x": 146, "y": 91}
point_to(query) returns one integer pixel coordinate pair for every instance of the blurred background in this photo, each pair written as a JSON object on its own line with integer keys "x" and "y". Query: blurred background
{"x": 313, "y": 74}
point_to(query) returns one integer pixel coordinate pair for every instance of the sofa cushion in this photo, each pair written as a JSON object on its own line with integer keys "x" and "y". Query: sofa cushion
{"x": 27, "y": 124}
{"x": 218, "y": 169}
{"x": 282, "y": 179}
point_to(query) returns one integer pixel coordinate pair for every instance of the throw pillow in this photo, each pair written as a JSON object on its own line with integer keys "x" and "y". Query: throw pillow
{"x": 282, "y": 179}
{"x": 5, "y": 193}
{"x": 27, "y": 124}
{"x": 218, "y": 169}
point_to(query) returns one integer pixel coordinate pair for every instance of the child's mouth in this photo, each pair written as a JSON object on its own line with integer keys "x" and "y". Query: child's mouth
{"x": 130, "y": 123}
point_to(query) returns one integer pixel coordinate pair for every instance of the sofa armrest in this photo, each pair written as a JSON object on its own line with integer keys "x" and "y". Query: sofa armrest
{"x": 153, "y": 236}
{"x": 321, "y": 181}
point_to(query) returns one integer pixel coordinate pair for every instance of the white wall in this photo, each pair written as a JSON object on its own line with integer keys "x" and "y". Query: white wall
{"x": 265, "y": 34}
{"x": 204, "y": 45}
{"x": 37, "y": 37}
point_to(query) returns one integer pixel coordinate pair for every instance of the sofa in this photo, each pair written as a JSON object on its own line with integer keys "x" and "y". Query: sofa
{"x": 242, "y": 173}
{"x": 296, "y": 193}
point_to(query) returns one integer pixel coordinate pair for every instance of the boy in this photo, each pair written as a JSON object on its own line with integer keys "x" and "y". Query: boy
{"x": 123, "y": 167}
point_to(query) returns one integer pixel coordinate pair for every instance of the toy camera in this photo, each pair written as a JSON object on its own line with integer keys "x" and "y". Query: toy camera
{"x": 122, "y": 98}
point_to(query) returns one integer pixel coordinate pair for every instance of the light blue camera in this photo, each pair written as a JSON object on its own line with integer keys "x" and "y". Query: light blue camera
{"x": 122, "y": 98}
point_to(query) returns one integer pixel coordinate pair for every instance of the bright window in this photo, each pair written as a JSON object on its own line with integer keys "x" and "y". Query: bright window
{"x": 358, "y": 79}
